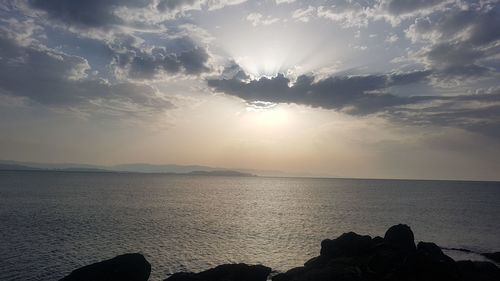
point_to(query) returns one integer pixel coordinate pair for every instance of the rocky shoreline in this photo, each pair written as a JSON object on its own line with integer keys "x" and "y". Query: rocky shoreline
{"x": 350, "y": 257}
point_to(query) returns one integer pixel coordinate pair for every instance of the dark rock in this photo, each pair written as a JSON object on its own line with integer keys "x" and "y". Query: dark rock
{"x": 433, "y": 264}
{"x": 401, "y": 237}
{"x": 431, "y": 252}
{"x": 458, "y": 249}
{"x": 292, "y": 274}
{"x": 334, "y": 270}
{"x": 226, "y": 272}
{"x": 317, "y": 261}
{"x": 377, "y": 240}
{"x": 493, "y": 256}
{"x": 127, "y": 267}
{"x": 478, "y": 271}
{"x": 353, "y": 257}
{"x": 346, "y": 245}
{"x": 387, "y": 261}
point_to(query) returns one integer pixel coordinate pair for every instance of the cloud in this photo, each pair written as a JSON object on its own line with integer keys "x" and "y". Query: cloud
{"x": 304, "y": 15}
{"x": 106, "y": 14}
{"x": 401, "y": 7}
{"x": 347, "y": 14}
{"x": 478, "y": 113}
{"x": 52, "y": 78}
{"x": 475, "y": 26}
{"x": 360, "y": 13}
{"x": 185, "y": 5}
{"x": 370, "y": 94}
{"x": 458, "y": 42}
{"x": 86, "y": 13}
{"x": 259, "y": 19}
{"x": 182, "y": 57}
{"x": 284, "y": 1}
{"x": 358, "y": 94}
{"x": 169, "y": 5}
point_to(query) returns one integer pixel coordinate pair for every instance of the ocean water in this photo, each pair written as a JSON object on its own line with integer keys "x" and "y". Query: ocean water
{"x": 54, "y": 222}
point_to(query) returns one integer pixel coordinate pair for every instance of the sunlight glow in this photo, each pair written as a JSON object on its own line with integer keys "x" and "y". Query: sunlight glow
{"x": 262, "y": 65}
{"x": 267, "y": 115}
{"x": 260, "y": 106}
{"x": 268, "y": 50}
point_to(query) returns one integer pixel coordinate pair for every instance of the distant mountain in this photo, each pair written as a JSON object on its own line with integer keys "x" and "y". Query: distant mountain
{"x": 52, "y": 166}
{"x": 152, "y": 168}
{"x": 88, "y": 170}
{"x": 16, "y": 167}
{"x": 144, "y": 168}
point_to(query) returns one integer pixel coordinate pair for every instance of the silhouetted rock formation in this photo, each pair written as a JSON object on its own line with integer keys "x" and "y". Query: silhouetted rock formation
{"x": 226, "y": 272}
{"x": 350, "y": 257}
{"x": 493, "y": 256}
{"x": 353, "y": 257}
{"x": 401, "y": 237}
{"x": 127, "y": 267}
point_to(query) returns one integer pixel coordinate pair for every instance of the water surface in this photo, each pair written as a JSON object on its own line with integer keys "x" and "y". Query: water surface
{"x": 54, "y": 222}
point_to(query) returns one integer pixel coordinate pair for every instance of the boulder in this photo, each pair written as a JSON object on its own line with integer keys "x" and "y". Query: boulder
{"x": 226, "y": 272}
{"x": 353, "y": 257}
{"x": 127, "y": 267}
{"x": 401, "y": 237}
{"x": 346, "y": 245}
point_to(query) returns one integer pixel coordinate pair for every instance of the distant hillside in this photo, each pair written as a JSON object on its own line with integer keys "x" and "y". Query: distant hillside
{"x": 143, "y": 168}
{"x": 15, "y": 167}
{"x": 88, "y": 170}
{"x": 52, "y": 166}
{"x": 168, "y": 168}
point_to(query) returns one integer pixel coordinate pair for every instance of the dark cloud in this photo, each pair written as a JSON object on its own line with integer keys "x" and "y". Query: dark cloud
{"x": 398, "y": 7}
{"x": 478, "y": 113}
{"x": 86, "y": 13}
{"x": 358, "y": 94}
{"x": 56, "y": 79}
{"x": 456, "y": 59}
{"x": 460, "y": 40}
{"x": 361, "y": 95}
{"x": 149, "y": 64}
{"x": 475, "y": 26}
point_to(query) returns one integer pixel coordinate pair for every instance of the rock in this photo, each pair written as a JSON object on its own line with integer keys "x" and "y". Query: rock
{"x": 127, "y": 267}
{"x": 432, "y": 253}
{"x": 493, "y": 256}
{"x": 377, "y": 240}
{"x": 292, "y": 274}
{"x": 346, "y": 245}
{"x": 433, "y": 264}
{"x": 316, "y": 262}
{"x": 478, "y": 271}
{"x": 226, "y": 272}
{"x": 350, "y": 257}
{"x": 354, "y": 257}
{"x": 401, "y": 237}
{"x": 335, "y": 270}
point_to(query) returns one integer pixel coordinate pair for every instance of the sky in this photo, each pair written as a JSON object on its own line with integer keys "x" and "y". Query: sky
{"x": 343, "y": 88}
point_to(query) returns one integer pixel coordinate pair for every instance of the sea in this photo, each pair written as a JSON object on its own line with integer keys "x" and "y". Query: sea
{"x": 54, "y": 222}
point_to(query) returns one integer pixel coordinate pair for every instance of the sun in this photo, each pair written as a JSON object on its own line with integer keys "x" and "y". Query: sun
{"x": 267, "y": 114}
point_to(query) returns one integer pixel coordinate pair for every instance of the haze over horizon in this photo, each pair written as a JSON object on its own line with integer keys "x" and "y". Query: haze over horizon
{"x": 345, "y": 88}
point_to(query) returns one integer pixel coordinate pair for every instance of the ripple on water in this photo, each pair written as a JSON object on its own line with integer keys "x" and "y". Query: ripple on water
{"x": 53, "y": 223}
